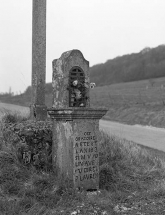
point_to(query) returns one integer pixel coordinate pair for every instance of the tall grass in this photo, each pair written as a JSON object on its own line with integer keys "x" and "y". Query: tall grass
{"x": 13, "y": 117}
{"x": 125, "y": 169}
{"x": 128, "y": 167}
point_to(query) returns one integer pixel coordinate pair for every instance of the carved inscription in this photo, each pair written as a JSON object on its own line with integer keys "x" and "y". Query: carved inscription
{"x": 86, "y": 158}
{"x": 26, "y": 156}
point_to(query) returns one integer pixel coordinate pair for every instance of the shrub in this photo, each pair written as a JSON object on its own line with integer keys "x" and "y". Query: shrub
{"x": 30, "y": 141}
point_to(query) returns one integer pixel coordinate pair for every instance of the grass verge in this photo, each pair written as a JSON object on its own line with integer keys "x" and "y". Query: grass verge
{"x": 131, "y": 182}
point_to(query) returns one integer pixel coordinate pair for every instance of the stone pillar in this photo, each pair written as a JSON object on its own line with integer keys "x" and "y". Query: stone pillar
{"x": 38, "y": 108}
{"x": 75, "y": 148}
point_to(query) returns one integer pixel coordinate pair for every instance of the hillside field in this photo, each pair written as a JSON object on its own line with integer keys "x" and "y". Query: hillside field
{"x": 140, "y": 102}
{"x": 145, "y": 92}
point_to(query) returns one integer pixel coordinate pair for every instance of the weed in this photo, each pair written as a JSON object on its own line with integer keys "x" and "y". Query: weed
{"x": 129, "y": 173}
{"x": 10, "y": 117}
{"x": 125, "y": 166}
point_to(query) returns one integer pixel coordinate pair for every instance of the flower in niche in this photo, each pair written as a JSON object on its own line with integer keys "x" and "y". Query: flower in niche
{"x": 92, "y": 85}
{"x": 75, "y": 83}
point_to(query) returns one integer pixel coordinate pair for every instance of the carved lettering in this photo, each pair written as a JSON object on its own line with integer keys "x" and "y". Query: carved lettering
{"x": 86, "y": 163}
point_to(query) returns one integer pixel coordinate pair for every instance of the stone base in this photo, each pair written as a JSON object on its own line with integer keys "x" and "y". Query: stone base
{"x": 38, "y": 112}
{"x": 75, "y": 148}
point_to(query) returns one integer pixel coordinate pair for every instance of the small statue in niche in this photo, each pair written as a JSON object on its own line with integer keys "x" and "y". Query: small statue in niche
{"x": 78, "y": 92}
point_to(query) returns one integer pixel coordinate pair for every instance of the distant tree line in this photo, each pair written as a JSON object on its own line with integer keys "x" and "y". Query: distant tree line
{"x": 147, "y": 64}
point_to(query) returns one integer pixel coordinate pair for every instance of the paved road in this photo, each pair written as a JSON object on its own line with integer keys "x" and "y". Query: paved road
{"x": 149, "y": 136}
{"x": 145, "y": 135}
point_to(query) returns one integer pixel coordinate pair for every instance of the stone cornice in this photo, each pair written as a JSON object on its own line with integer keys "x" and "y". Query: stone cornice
{"x": 76, "y": 113}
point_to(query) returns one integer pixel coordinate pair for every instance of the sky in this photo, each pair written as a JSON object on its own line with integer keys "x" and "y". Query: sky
{"x": 100, "y": 29}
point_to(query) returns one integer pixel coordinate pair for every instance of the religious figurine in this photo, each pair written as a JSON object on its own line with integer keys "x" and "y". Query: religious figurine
{"x": 78, "y": 93}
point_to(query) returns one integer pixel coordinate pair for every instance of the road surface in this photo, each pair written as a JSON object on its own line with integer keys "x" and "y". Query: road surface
{"x": 145, "y": 135}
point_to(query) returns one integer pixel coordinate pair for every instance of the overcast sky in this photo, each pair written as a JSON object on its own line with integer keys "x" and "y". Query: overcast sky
{"x": 101, "y": 29}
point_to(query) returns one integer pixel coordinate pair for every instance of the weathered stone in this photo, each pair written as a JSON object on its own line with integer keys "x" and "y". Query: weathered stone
{"x": 60, "y": 82}
{"x": 30, "y": 141}
{"x": 38, "y": 108}
{"x": 38, "y": 112}
{"x": 75, "y": 149}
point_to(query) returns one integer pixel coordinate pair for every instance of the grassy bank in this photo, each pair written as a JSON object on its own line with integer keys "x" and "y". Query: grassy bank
{"x": 140, "y": 102}
{"x": 131, "y": 182}
{"x": 142, "y": 115}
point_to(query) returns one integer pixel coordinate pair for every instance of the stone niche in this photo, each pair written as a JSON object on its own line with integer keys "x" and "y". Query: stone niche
{"x": 67, "y": 70}
{"x": 75, "y": 148}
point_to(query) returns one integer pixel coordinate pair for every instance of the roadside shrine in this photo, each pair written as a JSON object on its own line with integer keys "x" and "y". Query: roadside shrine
{"x": 75, "y": 147}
